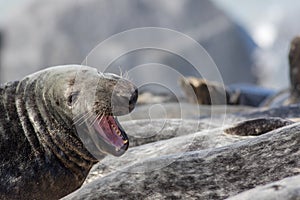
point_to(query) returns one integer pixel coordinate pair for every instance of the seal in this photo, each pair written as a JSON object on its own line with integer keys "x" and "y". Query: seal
{"x": 44, "y": 121}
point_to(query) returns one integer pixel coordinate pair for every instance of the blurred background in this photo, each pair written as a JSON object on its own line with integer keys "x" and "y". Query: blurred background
{"x": 248, "y": 40}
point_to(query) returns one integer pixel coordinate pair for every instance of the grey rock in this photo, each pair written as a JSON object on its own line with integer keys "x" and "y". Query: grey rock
{"x": 186, "y": 140}
{"x": 147, "y": 131}
{"x": 287, "y": 189}
{"x": 257, "y": 126}
{"x": 290, "y": 111}
{"x": 206, "y": 174}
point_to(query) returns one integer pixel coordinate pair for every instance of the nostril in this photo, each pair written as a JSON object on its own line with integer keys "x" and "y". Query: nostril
{"x": 123, "y": 104}
{"x": 133, "y": 97}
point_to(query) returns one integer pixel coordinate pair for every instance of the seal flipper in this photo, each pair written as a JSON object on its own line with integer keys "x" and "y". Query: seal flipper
{"x": 258, "y": 126}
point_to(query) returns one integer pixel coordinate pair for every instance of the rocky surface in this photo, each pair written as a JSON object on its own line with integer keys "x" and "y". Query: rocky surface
{"x": 287, "y": 189}
{"x": 146, "y": 131}
{"x": 184, "y": 140}
{"x": 199, "y": 161}
{"x": 257, "y": 126}
{"x": 291, "y": 111}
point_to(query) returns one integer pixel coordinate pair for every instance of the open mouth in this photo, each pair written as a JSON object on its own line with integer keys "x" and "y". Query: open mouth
{"x": 113, "y": 134}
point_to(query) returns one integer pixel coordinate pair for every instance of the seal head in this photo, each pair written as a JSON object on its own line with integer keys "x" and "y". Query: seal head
{"x": 94, "y": 99}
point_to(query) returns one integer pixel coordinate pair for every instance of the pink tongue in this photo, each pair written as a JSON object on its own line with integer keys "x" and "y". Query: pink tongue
{"x": 105, "y": 129}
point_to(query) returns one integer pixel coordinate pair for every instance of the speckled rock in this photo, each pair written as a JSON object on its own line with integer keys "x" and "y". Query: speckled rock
{"x": 257, "y": 126}
{"x": 147, "y": 131}
{"x": 287, "y": 189}
{"x": 204, "y": 174}
{"x": 206, "y": 139}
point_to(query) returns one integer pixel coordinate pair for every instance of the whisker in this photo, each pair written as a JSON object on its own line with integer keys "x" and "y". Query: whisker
{"x": 121, "y": 72}
{"x": 94, "y": 120}
{"x": 89, "y": 114}
{"x": 87, "y": 119}
{"x": 124, "y": 74}
{"x": 127, "y": 77}
{"x": 80, "y": 117}
{"x": 101, "y": 117}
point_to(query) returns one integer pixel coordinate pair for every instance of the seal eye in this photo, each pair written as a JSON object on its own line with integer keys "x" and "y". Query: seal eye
{"x": 72, "y": 98}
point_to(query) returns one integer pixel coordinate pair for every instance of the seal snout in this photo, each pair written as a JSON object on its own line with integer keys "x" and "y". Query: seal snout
{"x": 123, "y": 102}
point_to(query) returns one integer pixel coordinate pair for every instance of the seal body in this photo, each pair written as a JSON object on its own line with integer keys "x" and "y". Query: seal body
{"x": 42, "y": 155}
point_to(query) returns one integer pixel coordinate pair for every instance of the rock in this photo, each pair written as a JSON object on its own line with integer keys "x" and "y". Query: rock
{"x": 202, "y": 92}
{"x": 147, "y": 131}
{"x": 290, "y": 111}
{"x": 287, "y": 189}
{"x": 185, "y": 139}
{"x": 257, "y": 126}
{"x": 204, "y": 174}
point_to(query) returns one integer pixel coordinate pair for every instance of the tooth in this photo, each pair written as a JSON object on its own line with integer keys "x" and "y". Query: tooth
{"x": 118, "y": 132}
{"x": 125, "y": 141}
{"x": 117, "y": 149}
